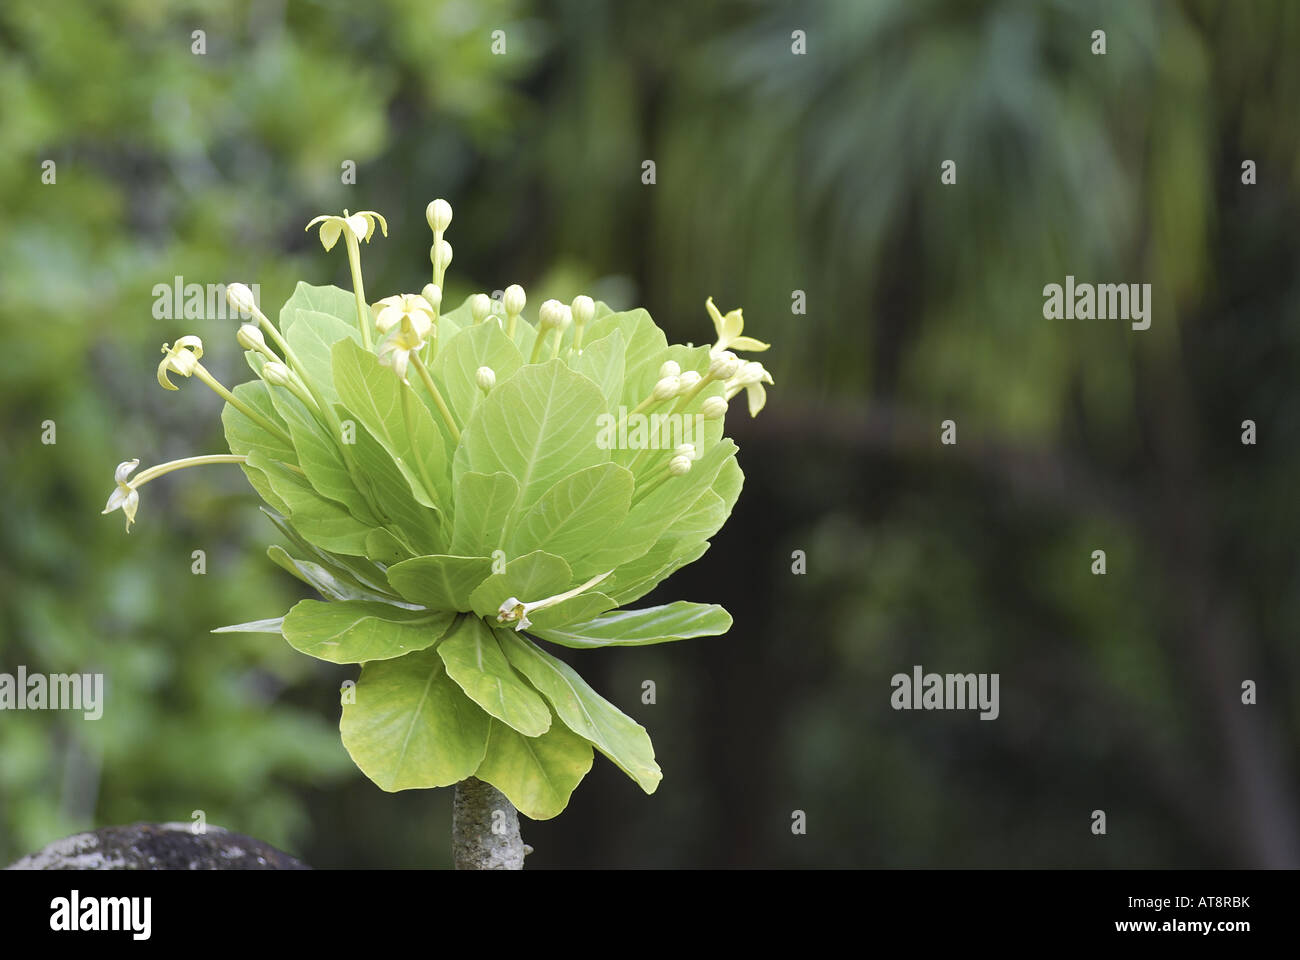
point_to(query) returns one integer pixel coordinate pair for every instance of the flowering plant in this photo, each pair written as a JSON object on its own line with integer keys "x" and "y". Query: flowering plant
{"x": 464, "y": 488}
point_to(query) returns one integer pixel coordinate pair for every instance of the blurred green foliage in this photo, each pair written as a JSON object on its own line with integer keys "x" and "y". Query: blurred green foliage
{"x": 774, "y": 173}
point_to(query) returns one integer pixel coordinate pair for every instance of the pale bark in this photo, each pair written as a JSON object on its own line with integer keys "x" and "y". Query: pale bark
{"x": 475, "y": 845}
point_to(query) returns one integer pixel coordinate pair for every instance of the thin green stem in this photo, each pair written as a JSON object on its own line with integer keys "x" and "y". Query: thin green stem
{"x": 685, "y": 399}
{"x": 645, "y": 490}
{"x": 358, "y": 286}
{"x": 542, "y": 334}
{"x": 269, "y": 328}
{"x": 274, "y": 429}
{"x": 439, "y": 268}
{"x": 158, "y": 470}
{"x": 432, "y": 387}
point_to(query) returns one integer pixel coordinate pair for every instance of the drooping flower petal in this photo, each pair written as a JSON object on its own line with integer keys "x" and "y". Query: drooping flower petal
{"x": 125, "y": 497}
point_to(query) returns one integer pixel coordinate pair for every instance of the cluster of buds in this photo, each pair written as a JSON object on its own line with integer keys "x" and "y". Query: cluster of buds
{"x": 407, "y": 328}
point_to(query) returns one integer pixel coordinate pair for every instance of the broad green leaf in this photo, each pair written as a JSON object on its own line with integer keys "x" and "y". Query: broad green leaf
{"x": 377, "y": 397}
{"x": 586, "y": 712}
{"x": 539, "y": 427}
{"x": 361, "y": 572}
{"x": 272, "y": 625}
{"x": 318, "y": 520}
{"x": 537, "y": 774}
{"x": 575, "y": 514}
{"x": 410, "y": 521}
{"x": 646, "y": 349}
{"x": 577, "y": 609}
{"x": 243, "y": 436}
{"x": 473, "y": 659}
{"x": 385, "y": 548}
{"x": 704, "y": 518}
{"x": 312, "y": 321}
{"x": 320, "y": 457}
{"x": 439, "y": 582}
{"x": 411, "y": 727}
{"x": 728, "y": 482}
{"x": 634, "y": 628}
{"x": 327, "y": 582}
{"x": 648, "y": 520}
{"x": 602, "y": 362}
{"x": 452, "y": 322}
{"x": 308, "y": 299}
{"x": 356, "y": 631}
{"x": 484, "y": 504}
{"x": 528, "y": 578}
{"x": 479, "y": 345}
{"x": 632, "y": 584}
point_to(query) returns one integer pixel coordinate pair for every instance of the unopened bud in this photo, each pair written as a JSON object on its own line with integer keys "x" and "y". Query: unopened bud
{"x": 241, "y": 298}
{"x": 486, "y": 378}
{"x": 713, "y": 408}
{"x": 433, "y": 293}
{"x": 438, "y": 213}
{"x": 277, "y": 374}
{"x": 480, "y": 306}
{"x": 667, "y": 387}
{"x": 679, "y": 465}
{"x": 670, "y": 368}
{"x": 552, "y": 314}
{"x": 724, "y": 366}
{"x": 250, "y": 337}
{"x": 583, "y": 309}
{"x": 445, "y": 260}
{"x": 514, "y": 300}
{"x": 689, "y": 380}
{"x": 686, "y": 450}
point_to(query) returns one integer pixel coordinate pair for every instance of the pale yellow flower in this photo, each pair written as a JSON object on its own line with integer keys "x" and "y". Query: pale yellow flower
{"x": 410, "y": 307}
{"x": 750, "y": 377}
{"x": 729, "y": 328}
{"x": 361, "y": 225}
{"x": 182, "y": 357}
{"x": 125, "y": 497}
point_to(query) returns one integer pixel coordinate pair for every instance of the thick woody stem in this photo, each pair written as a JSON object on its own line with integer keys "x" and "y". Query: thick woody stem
{"x": 485, "y": 829}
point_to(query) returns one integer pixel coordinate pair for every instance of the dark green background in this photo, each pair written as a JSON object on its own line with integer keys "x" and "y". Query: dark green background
{"x": 775, "y": 173}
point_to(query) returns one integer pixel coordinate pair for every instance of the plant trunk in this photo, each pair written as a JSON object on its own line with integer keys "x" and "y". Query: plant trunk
{"x": 485, "y": 829}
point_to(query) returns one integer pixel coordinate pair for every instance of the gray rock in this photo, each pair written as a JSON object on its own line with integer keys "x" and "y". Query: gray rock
{"x": 158, "y": 846}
